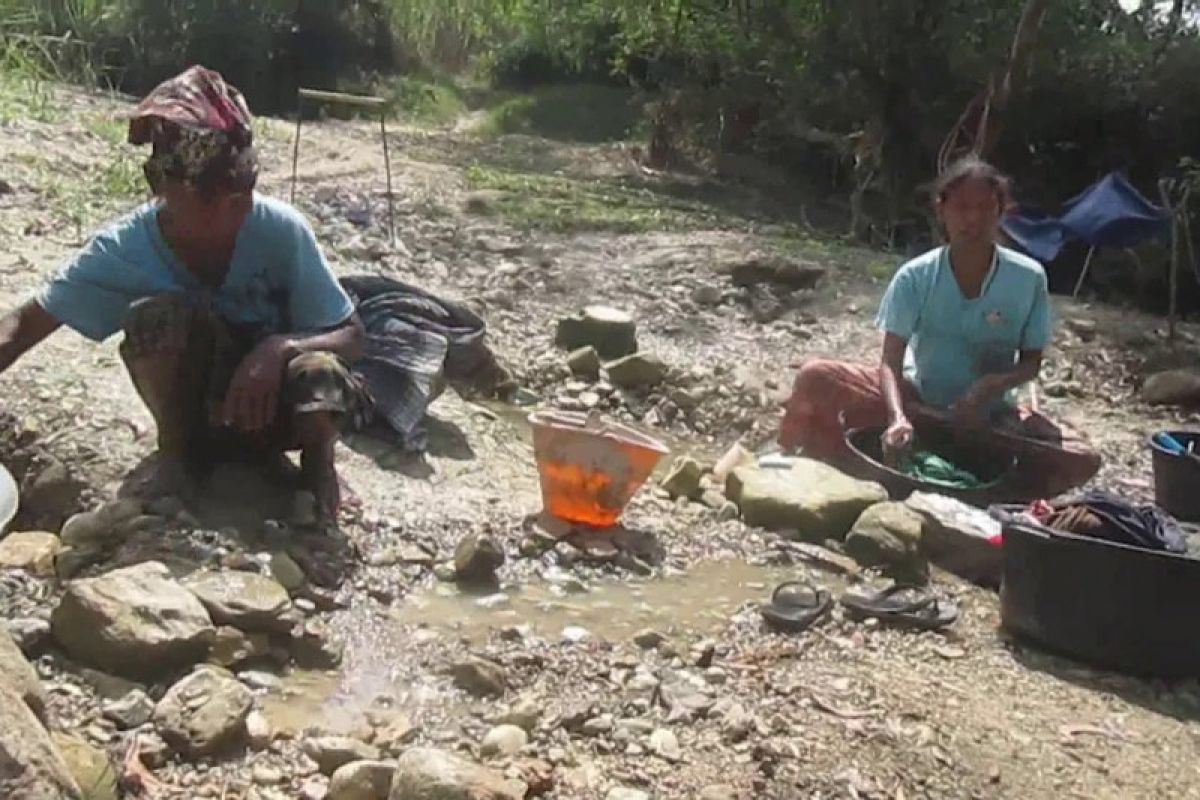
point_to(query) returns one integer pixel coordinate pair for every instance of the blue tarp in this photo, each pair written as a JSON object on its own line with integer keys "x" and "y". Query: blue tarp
{"x": 1111, "y": 213}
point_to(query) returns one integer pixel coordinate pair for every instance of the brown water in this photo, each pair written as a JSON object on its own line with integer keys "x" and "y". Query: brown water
{"x": 685, "y": 607}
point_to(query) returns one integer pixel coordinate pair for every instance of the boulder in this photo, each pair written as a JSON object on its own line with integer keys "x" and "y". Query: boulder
{"x": 888, "y": 536}
{"x": 245, "y": 600}
{"x": 959, "y": 538}
{"x": 135, "y": 622}
{"x": 503, "y": 741}
{"x": 20, "y": 676}
{"x": 32, "y": 551}
{"x": 612, "y": 332}
{"x": 781, "y": 271}
{"x": 428, "y": 774}
{"x": 101, "y": 527}
{"x": 334, "y": 752}
{"x": 92, "y": 769}
{"x": 31, "y": 768}
{"x": 204, "y": 713}
{"x": 477, "y": 558}
{"x": 684, "y": 479}
{"x": 637, "y": 370}
{"x": 1177, "y": 387}
{"x": 51, "y": 495}
{"x": 362, "y": 780}
{"x": 231, "y": 647}
{"x": 585, "y": 363}
{"x": 480, "y": 678}
{"x": 287, "y": 572}
{"x": 802, "y": 495}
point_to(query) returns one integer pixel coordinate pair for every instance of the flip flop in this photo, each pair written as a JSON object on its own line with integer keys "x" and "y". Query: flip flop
{"x": 796, "y": 605}
{"x": 904, "y": 606}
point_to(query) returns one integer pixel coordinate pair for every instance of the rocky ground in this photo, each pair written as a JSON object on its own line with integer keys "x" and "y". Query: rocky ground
{"x": 353, "y": 667}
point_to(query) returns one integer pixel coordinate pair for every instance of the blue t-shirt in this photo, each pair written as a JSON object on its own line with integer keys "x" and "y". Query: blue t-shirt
{"x": 954, "y": 341}
{"x": 278, "y": 281}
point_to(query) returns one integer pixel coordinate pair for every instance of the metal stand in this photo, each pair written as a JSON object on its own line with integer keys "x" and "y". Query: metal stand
{"x": 1087, "y": 265}
{"x": 356, "y": 101}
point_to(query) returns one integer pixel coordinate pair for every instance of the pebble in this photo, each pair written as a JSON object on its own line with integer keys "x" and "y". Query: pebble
{"x": 258, "y": 731}
{"x": 649, "y": 639}
{"x": 263, "y": 681}
{"x": 265, "y": 775}
{"x": 503, "y": 740}
{"x": 665, "y": 745}
{"x": 573, "y": 634}
{"x": 598, "y": 726}
{"x": 626, "y": 794}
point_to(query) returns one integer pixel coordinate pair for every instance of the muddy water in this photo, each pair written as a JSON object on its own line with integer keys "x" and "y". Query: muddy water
{"x": 685, "y": 606}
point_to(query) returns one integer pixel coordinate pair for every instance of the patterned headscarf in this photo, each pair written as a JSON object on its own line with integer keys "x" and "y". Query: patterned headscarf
{"x": 201, "y": 131}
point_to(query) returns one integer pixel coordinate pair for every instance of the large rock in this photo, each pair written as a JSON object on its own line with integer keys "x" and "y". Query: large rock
{"x": 1176, "y": 387}
{"x": 32, "y": 551}
{"x": 92, "y": 769}
{"x": 51, "y": 495}
{"x": 20, "y": 676}
{"x": 774, "y": 269}
{"x": 612, "y": 332}
{"x": 31, "y": 767}
{"x": 959, "y": 538}
{"x": 362, "y": 780}
{"x": 637, "y": 370}
{"x": 684, "y": 478}
{"x": 427, "y": 774}
{"x": 245, "y": 600}
{"x": 804, "y": 495}
{"x": 888, "y": 535}
{"x": 102, "y": 527}
{"x": 135, "y": 622}
{"x": 477, "y": 558}
{"x": 231, "y": 647}
{"x": 331, "y": 753}
{"x": 204, "y": 713}
{"x": 585, "y": 363}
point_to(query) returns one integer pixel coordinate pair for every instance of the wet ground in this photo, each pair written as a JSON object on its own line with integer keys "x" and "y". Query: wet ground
{"x": 846, "y": 710}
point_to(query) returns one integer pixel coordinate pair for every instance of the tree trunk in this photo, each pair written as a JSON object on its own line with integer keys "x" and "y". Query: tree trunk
{"x": 1019, "y": 60}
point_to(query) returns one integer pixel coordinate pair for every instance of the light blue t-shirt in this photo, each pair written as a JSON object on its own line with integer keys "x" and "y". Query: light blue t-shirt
{"x": 278, "y": 281}
{"x": 953, "y": 341}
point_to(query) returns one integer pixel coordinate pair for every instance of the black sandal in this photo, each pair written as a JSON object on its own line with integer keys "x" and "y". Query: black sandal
{"x": 920, "y": 609}
{"x": 795, "y": 606}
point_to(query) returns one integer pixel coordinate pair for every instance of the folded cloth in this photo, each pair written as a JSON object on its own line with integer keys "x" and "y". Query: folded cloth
{"x": 415, "y": 342}
{"x": 1105, "y": 516}
{"x": 932, "y": 468}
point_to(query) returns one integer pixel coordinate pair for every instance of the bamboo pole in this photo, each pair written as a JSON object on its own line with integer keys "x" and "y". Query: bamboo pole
{"x": 1173, "y": 299}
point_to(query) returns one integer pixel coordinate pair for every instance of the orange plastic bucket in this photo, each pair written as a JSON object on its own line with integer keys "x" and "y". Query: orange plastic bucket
{"x": 590, "y": 468}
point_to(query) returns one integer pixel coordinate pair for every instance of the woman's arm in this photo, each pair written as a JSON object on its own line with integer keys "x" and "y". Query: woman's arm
{"x": 22, "y": 329}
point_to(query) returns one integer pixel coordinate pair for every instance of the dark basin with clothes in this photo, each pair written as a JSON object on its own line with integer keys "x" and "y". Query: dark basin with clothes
{"x": 1104, "y": 603}
{"x": 995, "y": 470}
{"x": 1177, "y": 476}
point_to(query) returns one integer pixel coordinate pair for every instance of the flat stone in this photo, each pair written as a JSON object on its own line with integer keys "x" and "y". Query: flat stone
{"x": 334, "y": 752}
{"x": 362, "y": 780}
{"x": 91, "y": 767}
{"x": 585, "y": 363}
{"x": 649, "y": 639}
{"x": 807, "y": 496}
{"x": 621, "y": 793}
{"x": 108, "y": 687}
{"x": 888, "y": 535}
{"x": 204, "y": 713}
{"x": 244, "y": 600}
{"x": 134, "y": 622}
{"x": 503, "y": 740}
{"x": 21, "y": 677}
{"x": 762, "y": 268}
{"x": 612, "y": 332}
{"x": 684, "y": 479}
{"x": 718, "y": 793}
{"x": 398, "y": 733}
{"x": 479, "y": 678}
{"x": 102, "y": 527}
{"x": 636, "y": 371}
{"x": 131, "y": 711}
{"x": 428, "y": 774}
{"x": 959, "y": 537}
{"x": 32, "y": 551}
{"x": 33, "y": 767}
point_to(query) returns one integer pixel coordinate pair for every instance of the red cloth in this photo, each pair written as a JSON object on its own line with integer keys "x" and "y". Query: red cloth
{"x": 196, "y": 98}
{"x": 1053, "y": 457}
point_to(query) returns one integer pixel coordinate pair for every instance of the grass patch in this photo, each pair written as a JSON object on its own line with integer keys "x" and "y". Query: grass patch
{"x": 426, "y": 100}
{"x": 560, "y": 204}
{"x": 582, "y": 113}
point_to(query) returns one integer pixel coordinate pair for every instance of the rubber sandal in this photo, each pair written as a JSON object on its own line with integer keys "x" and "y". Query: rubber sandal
{"x": 795, "y": 606}
{"x": 904, "y": 606}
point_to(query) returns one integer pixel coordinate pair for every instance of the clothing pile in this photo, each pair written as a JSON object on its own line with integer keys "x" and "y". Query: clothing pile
{"x": 1102, "y": 515}
{"x": 415, "y": 344}
{"x": 932, "y": 468}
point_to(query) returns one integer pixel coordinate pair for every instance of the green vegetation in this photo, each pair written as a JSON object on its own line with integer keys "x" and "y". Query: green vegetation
{"x": 585, "y": 113}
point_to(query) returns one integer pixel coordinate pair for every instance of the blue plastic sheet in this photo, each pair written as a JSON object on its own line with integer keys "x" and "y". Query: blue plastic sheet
{"x": 1111, "y": 213}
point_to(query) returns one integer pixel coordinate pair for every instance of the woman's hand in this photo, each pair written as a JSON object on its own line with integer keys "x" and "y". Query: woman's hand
{"x": 897, "y": 438}
{"x": 253, "y": 396}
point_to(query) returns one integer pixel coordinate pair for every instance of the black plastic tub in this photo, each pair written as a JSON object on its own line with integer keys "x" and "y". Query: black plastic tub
{"x": 1177, "y": 477}
{"x": 1105, "y": 604}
